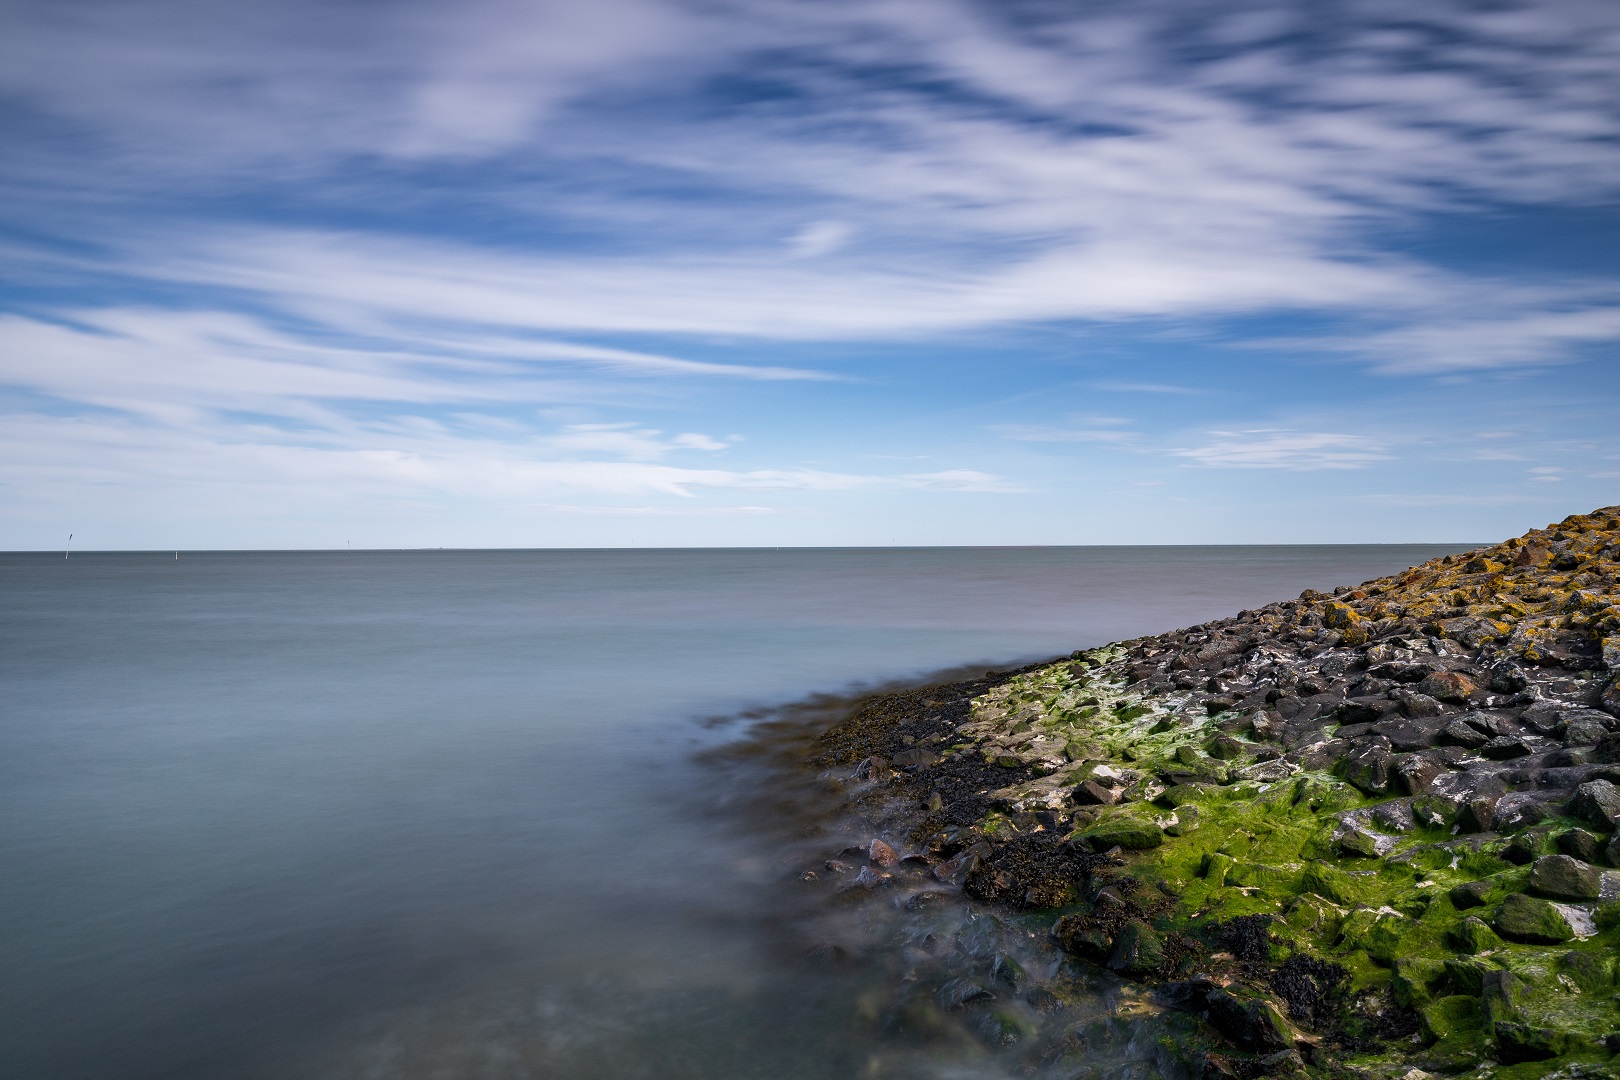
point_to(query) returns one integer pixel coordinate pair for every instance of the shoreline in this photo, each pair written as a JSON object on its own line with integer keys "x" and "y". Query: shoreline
{"x": 1352, "y": 834}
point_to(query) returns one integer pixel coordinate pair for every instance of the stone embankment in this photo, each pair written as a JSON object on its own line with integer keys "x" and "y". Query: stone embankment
{"x": 1352, "y": 834}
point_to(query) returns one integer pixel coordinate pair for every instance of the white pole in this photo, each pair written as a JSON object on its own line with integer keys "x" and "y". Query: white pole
{"x": 69, "y": 546}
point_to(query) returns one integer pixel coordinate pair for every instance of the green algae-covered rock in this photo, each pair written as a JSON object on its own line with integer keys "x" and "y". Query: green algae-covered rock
{"x": 1516, "y": 1042}
{"x": 1473, "y": 936}
{"x": 1450, "y": 1017}
{"x": 1564, "y": 878}
{"x": 1536, "y": 922}
{"x": 1216, "y": 867}
{"x": 1123, "y": 833}
{"x": 1593, "y": 972}
{"x": 1502, "y": 994}
{"x": 1136, "y": 950}
{"x": 1414, "y": 978}
{"x": 1331, "y": 884}
{"x": 1465, "y": 976}
{"x": 1377, "y": 933}
{"x": 1313, "y": 915}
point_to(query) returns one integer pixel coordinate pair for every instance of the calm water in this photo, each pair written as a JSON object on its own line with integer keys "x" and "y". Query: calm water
{"x": 439, "y": 814}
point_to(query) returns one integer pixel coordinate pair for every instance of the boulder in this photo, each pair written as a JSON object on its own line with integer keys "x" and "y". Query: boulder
{"x": 1136, "y": 951}
{"x": 1470, "y": 894}
{"x": 1368, "y": 767}
{"x": 1091, "y": 793}
{"x": 1584, "y": 731}
{"x": 1517, "y": 1042}
{"x": 1355, "y": 842}
{"x": 1563, "y": 878}
{"x": 1252, "y": 1023}
{"x": 1582, "y": 845}
{"x": 1596, "y": 802}
{"x": 1415, "y": 774}
{"x": 1530, "y": 921}
{"x": 1127, "y": 834}
{"x": 1473, "y": 936}
{"x": 1506, "y": 748}
{"x": 1419, "y": 705}
{"x": 1447, "y": 686}
{"x": 882, "y": 854}
{"x": 1478, "y": 814}
{"x": 1467, "y": 736}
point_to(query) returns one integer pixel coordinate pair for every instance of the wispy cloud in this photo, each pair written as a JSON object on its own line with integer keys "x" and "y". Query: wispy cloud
{"x": 1297, "y": 451}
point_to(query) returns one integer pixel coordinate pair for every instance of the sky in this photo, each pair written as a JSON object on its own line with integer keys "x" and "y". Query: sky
{"x": 495, "y": 273}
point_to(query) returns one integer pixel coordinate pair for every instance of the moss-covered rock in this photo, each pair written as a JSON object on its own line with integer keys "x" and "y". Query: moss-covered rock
{"x": 1527, "y": 919}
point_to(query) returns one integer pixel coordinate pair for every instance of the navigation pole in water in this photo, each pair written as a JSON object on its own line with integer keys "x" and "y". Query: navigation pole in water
{"x": 69, "y": 547}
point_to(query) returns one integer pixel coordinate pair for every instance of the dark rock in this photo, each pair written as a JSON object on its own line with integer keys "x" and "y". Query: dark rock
{"x": 1189, "y": 995}
{"x": 1417, "y": 705}
{"x": 1136, "y": 951}
{"x": 1517, "y": 1042}
{"x": 1525, "y": 919}
{"x": 1597, "y": 803}
{"x": 1478, "y": 814}
{"x": 1502, "y": 994}
{"x": 1470, "y": 894}
{"x": 1608, "y": 748}
{"x": 1091, "y": 793}
{"x": 882, "y": 854}
{"x": 1458, "y": 733}
{"x": 1520, "y": 851}
{"x": 1410, "y": 734}
{"x": 1415, "y": 775}
{"x": 1584, "y": 731}
{"x": 1130, "y": 835}
{"x": 1251, "y": 1023}
{"x": 916, "y": 756}
{"x": 959, "y": 993}
{"x": 1083, "y": 936}
{"x": 1507, "y": 679}
{"x": 1582, "y": 845}
{"x": 1226, "y": 748}
{"x": 1395, "y": 816}
{"x": 1564, "y": 878}
{"x": 1506, "y": 748}
{"x": 1368, "y": 767}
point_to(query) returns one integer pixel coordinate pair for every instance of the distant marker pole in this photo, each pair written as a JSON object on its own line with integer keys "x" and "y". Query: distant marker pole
{"x": 69, "y": 547}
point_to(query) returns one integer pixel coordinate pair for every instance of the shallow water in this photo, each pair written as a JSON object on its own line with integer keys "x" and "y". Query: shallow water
{"x": 403, "y": 814}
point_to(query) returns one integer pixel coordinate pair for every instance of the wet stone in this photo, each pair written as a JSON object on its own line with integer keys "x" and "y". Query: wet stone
{"x": 1597, "y": 803}
{"x": 1582, "y": 845}
{"x": 1465, "y": 735}
{"x": 1525, "y": 919}
{"x": 1564, "y": 878}
{"x": 1470, "y": 894}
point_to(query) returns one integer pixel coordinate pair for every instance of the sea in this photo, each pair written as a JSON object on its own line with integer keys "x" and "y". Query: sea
{"x": 475, "y": 814}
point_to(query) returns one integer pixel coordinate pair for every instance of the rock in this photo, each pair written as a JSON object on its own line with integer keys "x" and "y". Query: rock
{"x": 1465, "y": 975}
{"x": 1607, "y": 749}
{"x": 1582, "y": 845}
{"x": 1478, "y": 814}
{"x": 1473, "y": 936}
{"x": 1395, "y": 816}
{"x": 1354, "y": 842}
{"x": 1458, "y": 733}
{"x": 1415, "y": 774}
{"x": 1584, "y": 732}
{"x": 954, "y": 871}
{"x": 1376, "y": 933}
{"x": 882, "y": 853}
{"x": 1136, "y": 950}
{"x": 1448, "y": 1017}
{"x": 1502, "y": 994}
{"x": 1597, "y": 803}
{"x": 1609, "y": 700}
{"x": 914, "y": 757}
{"x": 1535, "y": 922}
{"x": 1470, "y": 894}
{"x": 1412, "y": 978}
{"x": 1506, "y": 748}
{"x": 1282, "y": 1063}
{"x": 1521, "y": 851}
{"x": 1517, "y": 1042}
{"x": 1593, "y": 972}
{"x": 1083, "y": 936}
{"x": 1447, "y": 686}
{"x": 1130, "y": 835}
{"x": 1507, "y": 679}
{"x": 1339, "y": 616}
{"x": 1368, "y": 767}
{"x": 1252, "y": 1023}
{"x": 1216, "y": 867}
{"x": 959, "y": 993}
{"x": 1091, "y": 793}
{"x": 995, "y": 1028}
{"x": 1563, "y": 878}
{"x": 1226, "y": 748}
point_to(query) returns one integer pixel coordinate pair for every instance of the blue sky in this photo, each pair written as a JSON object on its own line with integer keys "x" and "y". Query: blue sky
{"x": 497, "y": 273}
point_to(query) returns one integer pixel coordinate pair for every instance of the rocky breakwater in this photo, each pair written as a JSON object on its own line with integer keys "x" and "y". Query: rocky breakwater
{"x": 1351, "y": 834}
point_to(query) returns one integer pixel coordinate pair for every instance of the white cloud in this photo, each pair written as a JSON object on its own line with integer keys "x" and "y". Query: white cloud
{"x": 1293, "y": 450}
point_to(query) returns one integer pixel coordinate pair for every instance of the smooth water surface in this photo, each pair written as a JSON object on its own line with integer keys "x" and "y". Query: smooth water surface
{"x": 397, "y": 814}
